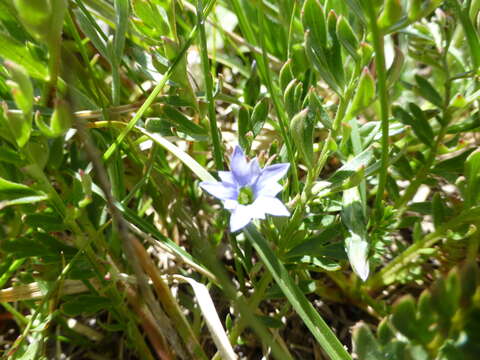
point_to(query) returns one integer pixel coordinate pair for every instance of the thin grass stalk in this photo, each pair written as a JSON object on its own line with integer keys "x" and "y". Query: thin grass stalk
{"x": 158, "y": 88}
{"x": 283, "y": 120}
{"x": 381, "y": 71}
{"x": 214, "y": 133}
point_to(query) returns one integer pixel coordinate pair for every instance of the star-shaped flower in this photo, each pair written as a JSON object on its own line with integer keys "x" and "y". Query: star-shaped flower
{"x": 247, "y": 191}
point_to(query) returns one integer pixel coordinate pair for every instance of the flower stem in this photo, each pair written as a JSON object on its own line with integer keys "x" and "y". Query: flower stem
{"x": 381, "y": 71}
{"x": 276, "y": 101}
{"x": 217, "y": 148}
{"x": 53, "y": 71}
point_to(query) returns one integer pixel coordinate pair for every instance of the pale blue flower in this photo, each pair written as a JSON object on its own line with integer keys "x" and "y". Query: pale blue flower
{"x": 247, "y": 191}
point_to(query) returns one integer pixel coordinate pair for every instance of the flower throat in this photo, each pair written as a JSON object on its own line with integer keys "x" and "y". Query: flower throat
{"x": 245, "y": 196}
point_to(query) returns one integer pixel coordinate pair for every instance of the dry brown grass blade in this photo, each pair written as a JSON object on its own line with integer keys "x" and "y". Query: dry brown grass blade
{"x": 32, "y": 291}
{"x": 168, "y": 302}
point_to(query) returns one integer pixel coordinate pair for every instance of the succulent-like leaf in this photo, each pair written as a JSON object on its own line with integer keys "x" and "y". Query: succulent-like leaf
{"x": 347, "y": 37}
{"x": 259, "y": 116}
{"x": 356, "y": 244}
{"x": 301, "y": 128}
{"x": 391, "y": 14}
{"x": 365, "y": 345}
{"x": 364, "y": 95}
{"x": 313, "y": 19}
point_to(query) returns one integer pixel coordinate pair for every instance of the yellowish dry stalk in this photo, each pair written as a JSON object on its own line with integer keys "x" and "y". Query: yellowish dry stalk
{"x": 32, "y": 291}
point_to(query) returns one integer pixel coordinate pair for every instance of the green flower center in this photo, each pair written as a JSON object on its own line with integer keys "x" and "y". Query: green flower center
{"x": 245, "y": 196}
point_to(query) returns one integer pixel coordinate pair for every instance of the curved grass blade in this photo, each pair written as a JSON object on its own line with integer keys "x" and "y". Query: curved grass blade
{"x": 209, "y": 312}
{"x": 180, "y": 154}
{"x": 153, "y": 95}
{"x": 312, "y": 319}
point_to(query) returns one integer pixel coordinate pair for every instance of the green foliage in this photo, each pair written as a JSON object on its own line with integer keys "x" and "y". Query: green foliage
{"x": 301, "y": 128}
{"x": 440, "y": 325}
{"x": 112, "y": 112}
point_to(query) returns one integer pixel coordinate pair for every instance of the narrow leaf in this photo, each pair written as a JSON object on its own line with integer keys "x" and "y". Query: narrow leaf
{"x": 10, "y": 190}
{"x": 301, "y": 129}
{"x": 356, "y": 245}
{"x": 428, "y": 92}
{"x": 347, "y": 37}
{"x": 312, "y": 319}
{"x": 210, "y": 314}
{"x": 313, "y": 19}
{"x": 259, "y": 116}
{"x": 364, "y": 95}
{"x": 420, "y": 125}
{"x": 17, "y": 52}
{"x": 182, "y": 155}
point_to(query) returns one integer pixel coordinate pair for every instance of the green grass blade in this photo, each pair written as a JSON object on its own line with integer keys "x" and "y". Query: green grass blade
{"x": 153, "y": 95}
{"x": 150, "y": 99}
{"x": 121, "y": 20}
{"x": 180, "y": 154}
{"x": 15, "y": 51}
{"x": 312, "y": 319}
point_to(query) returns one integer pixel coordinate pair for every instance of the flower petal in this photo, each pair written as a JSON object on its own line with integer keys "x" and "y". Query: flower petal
{"x": 257, "y": 210}
{"x": 230, "y": 204}
{"x": 272, "y": 173}
{"x": 220, "y": 190}
{"x": 240, "y": 218}
{"x": 270, "y": 188}
{"x": 240, "y": 168}
{"x": 226, "y": 177}
{"x": 271, "y": 205}
{"x": 255, "y": 170}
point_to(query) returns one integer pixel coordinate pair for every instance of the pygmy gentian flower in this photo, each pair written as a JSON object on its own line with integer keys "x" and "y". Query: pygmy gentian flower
{"x": 247, "y": 191}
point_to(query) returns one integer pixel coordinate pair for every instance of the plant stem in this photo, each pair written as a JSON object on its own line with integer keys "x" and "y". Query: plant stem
{"x": 425, "y": 169}
{"x": 254, "y": 301}
{"x": 344, "y": 101}
{"x": 276, "y": 101}
{"x": 53, "y": 71}
{"x": 312, "y": 319}
{"x": 412, "y": 188}
{"x": 8, "y": 273}
{"x": 159, "y": 87}
{"x": 314, "y": 173}
{"x": 381, "y": 71}
{"x": 217, "y": 147}
{"x": 470, "y": 33}
{"x": 387, "y": 275}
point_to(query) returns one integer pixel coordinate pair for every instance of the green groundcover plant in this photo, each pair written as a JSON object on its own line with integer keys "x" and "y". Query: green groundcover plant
{"x": 239, "y": 179}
